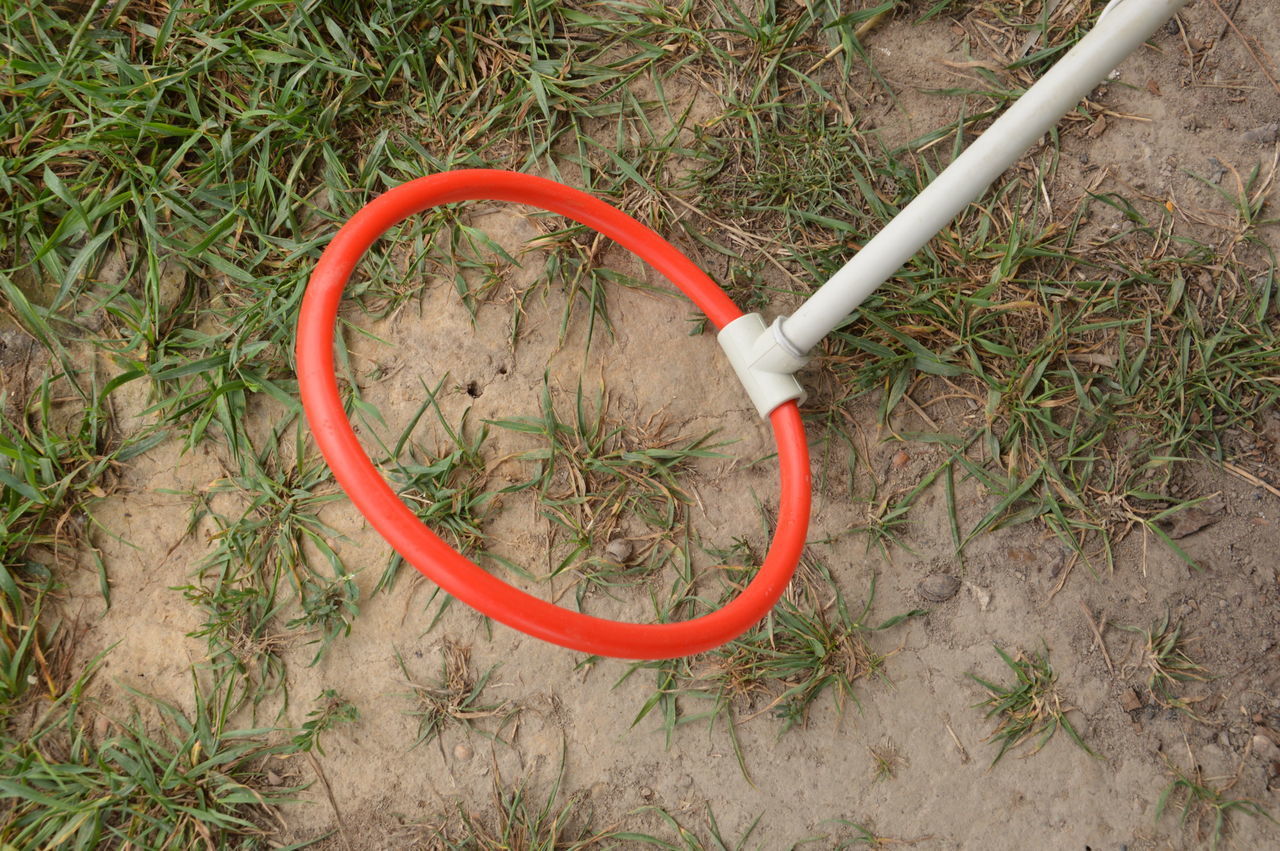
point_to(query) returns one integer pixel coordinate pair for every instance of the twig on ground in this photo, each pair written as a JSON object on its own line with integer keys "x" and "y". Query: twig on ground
{"x": 964, "y": 754}
{"x": 1097, "y": 633}
{"x": 1250, "y": 478}
{"x": 1248, "y": 45}
{"x": 337, "y": 814}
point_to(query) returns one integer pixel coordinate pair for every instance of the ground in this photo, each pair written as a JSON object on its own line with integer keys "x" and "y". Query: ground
{"x": 1053, "y": 437}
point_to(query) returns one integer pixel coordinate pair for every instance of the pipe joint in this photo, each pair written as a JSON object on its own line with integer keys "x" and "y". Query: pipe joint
{"x": 764, "y": 360}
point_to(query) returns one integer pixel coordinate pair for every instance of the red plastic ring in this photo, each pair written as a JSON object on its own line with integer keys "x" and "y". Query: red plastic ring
{"x": 421, "y": 547}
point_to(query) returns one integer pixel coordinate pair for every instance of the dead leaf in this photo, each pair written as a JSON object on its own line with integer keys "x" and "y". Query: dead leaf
{"x": 1199, "y": 517}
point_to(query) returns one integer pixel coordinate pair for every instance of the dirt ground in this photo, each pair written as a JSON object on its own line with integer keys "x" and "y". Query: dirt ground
{"x": 1193, "y": 104}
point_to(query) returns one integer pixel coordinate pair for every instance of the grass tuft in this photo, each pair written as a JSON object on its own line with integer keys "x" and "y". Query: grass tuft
{"x": 453, "y": 700}
{"x": 444, "y": 488}
{"x": 886, "y": 761}
{"x": 597, "y": 477}
{"x": 1028, "y": 707}
{"x": 517, "y": 820}
{"x": 809, "y": 645}
{"x": 176, "y": 781}
{"x": 332, "y": 709}
{"x": 1164, "y": 655}
{"x": 1206, "y": 803}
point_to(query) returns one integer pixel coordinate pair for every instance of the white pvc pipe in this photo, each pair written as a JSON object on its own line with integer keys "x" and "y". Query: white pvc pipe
{"x": 1124, "y": 27}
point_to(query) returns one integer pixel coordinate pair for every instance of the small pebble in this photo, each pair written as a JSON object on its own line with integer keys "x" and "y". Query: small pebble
{"x": 273, "y": 779}
{"x": 619, "y": 550}
{"x": 1264, "y": 135}
{"x": 646, "y": 793}
{"x": 1219, "y": 170}
{"x": 462, "y": 752}
{"x": 982, "y": 595}
{"x": 1265, "y": 749}
{"x": 938, "y": 588}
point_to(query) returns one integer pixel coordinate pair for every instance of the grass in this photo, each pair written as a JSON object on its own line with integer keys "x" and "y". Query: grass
{"x": 518, "y": 820}
{"x": 48, "y": 476}
{"x": 253, "y": 116}
{"x": 174, "y": 779}
{"x": 810, "y": 645}
{"x": 1164, "y": 655}
{"x": 1029, "y": 707}
{"x": 454, "y": 698}
{"x": 796, "y": 656}
{"x": 207, "y": 314}
{"x": 864, "y": 836}
{"x": 1208, "y": 805}
{"x": 272, "y": 557}
{"x": 23, "y": 653}
{"x": 59, "y": 456}
{"x": 571, "y": 265}
{"x": 1063, "y": 341}
{"x": 332, "y": 709}
{"x": 446, "y": 488}
{"x": 558, "y": 822}
{"x": 687, "y": 839}
{"x": 1060, "y": 372}
{"x": 73, "y": 775}
{"x": 598, "y": 477}
{"x": 54, "y": 463}
{"x": 886, "y": 761}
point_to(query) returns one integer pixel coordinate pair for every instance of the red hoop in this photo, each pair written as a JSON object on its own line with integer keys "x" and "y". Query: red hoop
{"x": 423, "y": 548}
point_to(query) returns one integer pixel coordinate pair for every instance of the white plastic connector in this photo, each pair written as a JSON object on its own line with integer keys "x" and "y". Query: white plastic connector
{"x": 764, "y": 360}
